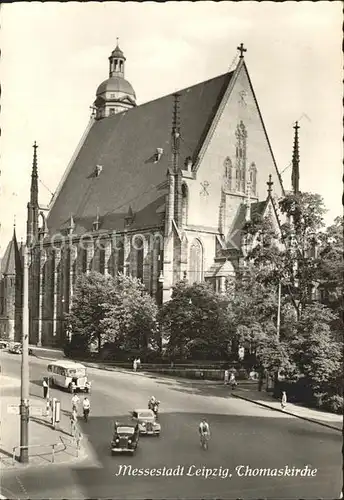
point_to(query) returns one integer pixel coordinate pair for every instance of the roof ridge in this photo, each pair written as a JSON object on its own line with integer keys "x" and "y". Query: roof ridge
{"x": 171, "y": 94}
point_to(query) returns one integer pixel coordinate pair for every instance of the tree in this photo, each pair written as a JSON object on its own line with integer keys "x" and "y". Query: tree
{"x": 288, "y": 255}
{"x": 195, "y": 321}
{"x": 252, "y": 314}
{"x": 87, "y": 313}
{"x": 318, "y": 357}
{"x": 331, "y": 265}
{"x": 300, "y": 234}
{"x": 113, "y": 310}
{"x": 131, "y": 316}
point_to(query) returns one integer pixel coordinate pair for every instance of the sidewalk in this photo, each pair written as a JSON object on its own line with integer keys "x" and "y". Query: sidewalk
{"x": 263, "y": 398}
{"x": 47, "y": 446}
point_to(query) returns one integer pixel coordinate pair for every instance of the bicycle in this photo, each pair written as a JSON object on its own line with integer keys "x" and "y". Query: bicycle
{"x": 204, "y": 440}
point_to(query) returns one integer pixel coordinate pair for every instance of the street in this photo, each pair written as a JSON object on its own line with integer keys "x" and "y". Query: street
{"x": 242, "y": 434}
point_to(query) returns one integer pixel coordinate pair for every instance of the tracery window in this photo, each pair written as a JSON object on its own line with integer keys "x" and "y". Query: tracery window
{"x": 228, "y": 167}
{"x": 240, "y": 164}
{"x": 185, "y": 204}
{"x": 196, "y": 262}
{"x": 253, "y": 178}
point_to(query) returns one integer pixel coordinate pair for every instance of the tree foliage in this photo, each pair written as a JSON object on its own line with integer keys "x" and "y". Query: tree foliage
{"x": 113, "y": 310}
{"x": 195, "y": 322}
{"x": 317, "y": 356}
{"x": 288, "y": 255}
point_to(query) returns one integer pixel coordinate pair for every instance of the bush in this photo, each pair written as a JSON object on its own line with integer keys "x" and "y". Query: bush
{"x": 334, "y": 403}
{"x": 77, "y": 347}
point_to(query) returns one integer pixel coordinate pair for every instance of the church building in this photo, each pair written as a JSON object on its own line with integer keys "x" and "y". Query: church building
{"x": 159, "y": 191}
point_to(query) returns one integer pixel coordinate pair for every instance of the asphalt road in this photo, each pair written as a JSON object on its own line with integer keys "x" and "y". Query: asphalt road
{"x": 242, "y": 434}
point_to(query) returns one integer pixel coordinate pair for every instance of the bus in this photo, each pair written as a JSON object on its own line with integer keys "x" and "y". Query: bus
{"x": 64, "y": 373}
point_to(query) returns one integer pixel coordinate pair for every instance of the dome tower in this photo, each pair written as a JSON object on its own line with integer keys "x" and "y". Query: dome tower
{"x": 115, "y": 94}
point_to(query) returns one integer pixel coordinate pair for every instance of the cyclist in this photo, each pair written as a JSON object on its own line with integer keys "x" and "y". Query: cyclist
{"x": 204, "y": 431}
{"x": 151, "y": 402}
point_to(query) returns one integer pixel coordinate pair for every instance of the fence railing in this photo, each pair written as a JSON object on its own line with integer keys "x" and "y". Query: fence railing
{"x": 53, "y": 447}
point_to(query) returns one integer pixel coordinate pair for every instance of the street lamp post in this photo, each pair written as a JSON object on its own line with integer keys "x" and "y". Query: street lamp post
{"x": 24, "y": 396}
{"x": 279, "y": 310}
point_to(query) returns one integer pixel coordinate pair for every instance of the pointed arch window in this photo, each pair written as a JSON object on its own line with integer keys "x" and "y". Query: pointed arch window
{"x": 138, "y": 245}
{"x": 185, "y": 203}
{"x": 120, "y": 257}
{"x": 253, "y": 178}
{"x": 240, "y": 164}
{"x": 196, "y": 262}
{"x": 228, "y": 174}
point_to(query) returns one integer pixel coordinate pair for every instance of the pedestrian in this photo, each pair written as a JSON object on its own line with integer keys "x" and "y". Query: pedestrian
{"x": 75, "y": 402}
{"x": 86, "y": 406}
{"x": 232, "y": 381}
{"x": 73, "y": 386}
{"x": 73, "y": 423}
{"x": 135, "y": 365}
{"x": 284, "y": 400}
{"x": 138, "y": 363}
{"x": 45, "y": 388}
{"x": 226, "y": 377}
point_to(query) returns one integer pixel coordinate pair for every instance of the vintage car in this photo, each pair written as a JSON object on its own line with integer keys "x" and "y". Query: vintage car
{"x": 147, "y": 422}
{"x": 3, "y": 344}
{"x": 125, "y": 438}
{"x": 15, "y": 348}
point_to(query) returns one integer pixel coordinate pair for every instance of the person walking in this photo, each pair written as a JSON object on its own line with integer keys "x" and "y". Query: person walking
{"x": 45, "y": 388}
{"x": 284, "y": 400}
{"x": 135, "y": 365}
{"x": 86, "y": 406}
{"x": 73, "y": 422}
{"x": 226, "y": 379}
{"x": 75, "y": 403}
{"x": 138, "y": 363}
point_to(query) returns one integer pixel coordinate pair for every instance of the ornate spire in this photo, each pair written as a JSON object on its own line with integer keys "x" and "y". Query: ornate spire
{"x": 295, "y": 176}
{"x": 175, "y": 132}
{"x": 270, "y": 184}
{"x": 32, "y": 207}
{"x": 34, "y": 178}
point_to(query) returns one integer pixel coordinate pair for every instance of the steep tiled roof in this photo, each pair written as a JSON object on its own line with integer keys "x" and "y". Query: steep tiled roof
{"x": 125, "y": 145}
{"x": 8, "y": 261}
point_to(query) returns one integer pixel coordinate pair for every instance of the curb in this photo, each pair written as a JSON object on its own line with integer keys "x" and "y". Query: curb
{"x": 289, "y": 413}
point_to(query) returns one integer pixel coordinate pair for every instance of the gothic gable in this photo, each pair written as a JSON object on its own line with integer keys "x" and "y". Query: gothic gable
{"x": 235, "y": 159}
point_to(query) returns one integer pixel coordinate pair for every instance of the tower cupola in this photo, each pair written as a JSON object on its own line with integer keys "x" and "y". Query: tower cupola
{"x": 117, "y": 61}
{"x": 115, "y": 94}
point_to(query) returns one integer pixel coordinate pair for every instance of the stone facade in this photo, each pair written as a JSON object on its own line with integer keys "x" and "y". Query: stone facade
{"x": 53, "y": 276}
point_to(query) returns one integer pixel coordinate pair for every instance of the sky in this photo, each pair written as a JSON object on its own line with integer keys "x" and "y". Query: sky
{"x": 54, "y": 56}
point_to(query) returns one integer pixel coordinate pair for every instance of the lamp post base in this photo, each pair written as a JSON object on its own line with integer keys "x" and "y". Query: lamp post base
{"x": 24, "y": 433}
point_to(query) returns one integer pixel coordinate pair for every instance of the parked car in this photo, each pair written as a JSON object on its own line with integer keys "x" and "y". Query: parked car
{"x": 147, "y": 422}
{"x": 3, "y": 344}
{"x": 125, "y": 438}
{"x": 15, "y": 348}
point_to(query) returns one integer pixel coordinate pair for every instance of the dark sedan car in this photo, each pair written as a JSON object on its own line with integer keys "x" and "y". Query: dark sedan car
{"x": 125, "y": 438}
